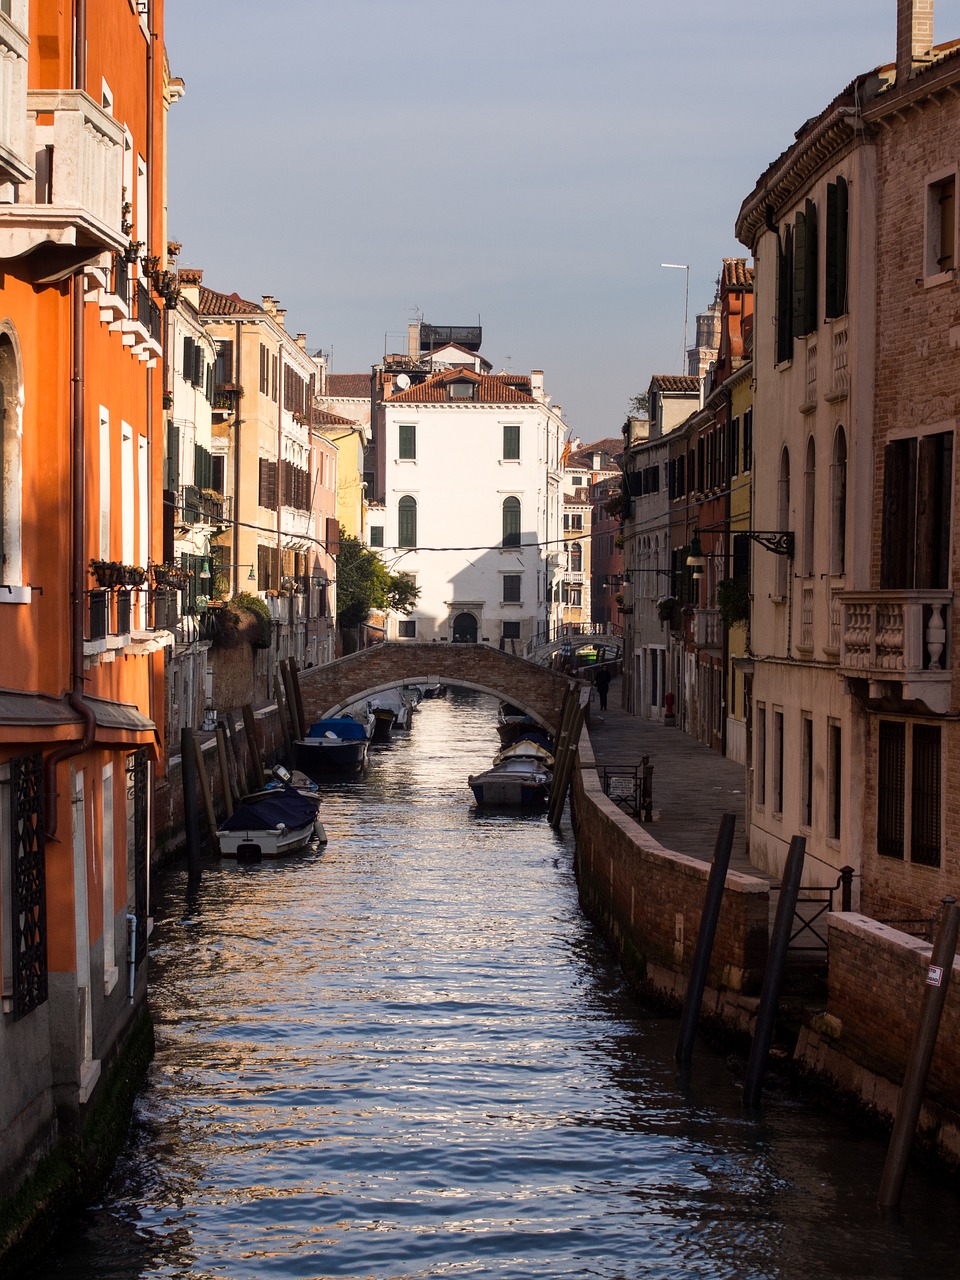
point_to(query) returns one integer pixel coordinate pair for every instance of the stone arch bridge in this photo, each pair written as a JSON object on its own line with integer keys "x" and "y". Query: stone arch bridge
{"x": 535, "y": 690}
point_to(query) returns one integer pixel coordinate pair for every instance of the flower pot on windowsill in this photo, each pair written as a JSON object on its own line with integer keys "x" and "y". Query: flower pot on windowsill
{"x": 108, "y": 573}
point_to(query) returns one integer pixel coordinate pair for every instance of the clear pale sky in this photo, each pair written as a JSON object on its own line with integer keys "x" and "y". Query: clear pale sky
{"x": 527, "y": 162}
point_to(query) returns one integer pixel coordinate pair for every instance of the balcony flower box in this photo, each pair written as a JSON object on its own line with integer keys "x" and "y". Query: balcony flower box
{"x": 108, "y": 573}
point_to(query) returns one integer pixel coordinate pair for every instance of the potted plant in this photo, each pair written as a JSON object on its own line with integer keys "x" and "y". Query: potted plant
{"x": 134, "y": 575}
{"x": 108, "y": 573}
{"x": 667, "y": 609}
{"x": 733, "y": 601}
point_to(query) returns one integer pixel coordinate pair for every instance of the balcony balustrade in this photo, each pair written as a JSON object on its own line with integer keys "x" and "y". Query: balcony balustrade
{"x": 839, "y": 369}
{"x": 16, "y": 159}
{"x": 901, "y": 637}
{"x": 707, "y": 629}
{"x": 71, "y": 213}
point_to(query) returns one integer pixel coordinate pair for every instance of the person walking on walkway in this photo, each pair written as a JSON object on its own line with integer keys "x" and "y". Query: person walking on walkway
{"x": 602, "y": 682}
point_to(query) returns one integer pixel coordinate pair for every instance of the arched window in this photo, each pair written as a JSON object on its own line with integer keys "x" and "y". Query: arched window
{"x": 838, "y": 503}
{"x": 511, "y": 522}
{"x": 576, "y": 557}
{"x": 809, "y": 508}
{"x": 407, "y": 522}
{"x": 783, "y": 521}
{"x": 11, "y": 404}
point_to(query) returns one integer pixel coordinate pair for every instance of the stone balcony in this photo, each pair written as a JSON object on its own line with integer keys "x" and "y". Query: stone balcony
{"x": 72, "y": 213}
{"x": 708, "y": 629}
{"x": 16, "y": 158}
{"x": 901, "y": 638}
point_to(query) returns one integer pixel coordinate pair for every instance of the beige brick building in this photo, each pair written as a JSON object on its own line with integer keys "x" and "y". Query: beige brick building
{"x": 854, "y": 689}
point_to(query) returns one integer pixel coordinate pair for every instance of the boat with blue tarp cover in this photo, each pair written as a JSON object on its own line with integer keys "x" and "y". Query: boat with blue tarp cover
{"x": 270, "y": 823}
{"x": 338, "y": 744}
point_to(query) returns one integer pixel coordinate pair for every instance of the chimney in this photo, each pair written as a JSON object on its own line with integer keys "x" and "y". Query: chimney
{"x": 914, "y": 36}
{"x": 301, "y": 341}
{"x": 269, "y": 305}
{"x": 413, "y": 340}
{"x": 280, "y": 315}
{"x": 189, "y": 279}
{"x": 536, "y": 383}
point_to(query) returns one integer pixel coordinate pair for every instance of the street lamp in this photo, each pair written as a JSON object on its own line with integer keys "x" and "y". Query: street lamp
{"x": 682, "y": 266}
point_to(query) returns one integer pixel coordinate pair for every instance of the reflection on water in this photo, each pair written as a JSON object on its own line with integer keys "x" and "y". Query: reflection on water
{"x": 407, "y": 1055}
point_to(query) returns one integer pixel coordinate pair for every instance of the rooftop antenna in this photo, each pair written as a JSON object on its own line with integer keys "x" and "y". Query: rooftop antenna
{"x": 682, "y": 266}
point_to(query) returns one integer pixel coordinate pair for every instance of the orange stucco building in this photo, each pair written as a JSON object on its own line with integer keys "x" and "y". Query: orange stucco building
{"x": 81, "y": 681}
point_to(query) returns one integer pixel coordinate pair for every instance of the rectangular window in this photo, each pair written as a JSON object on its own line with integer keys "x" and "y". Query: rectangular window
{"x": 925, "y": 796}
{"x": 760, "y": 766}
{"x": 407, "y": 445}
{"x": 778, "y": 762}
{"x": 835, "y": 303}
{"x": 510, "y": 630}
{"x": 909, "y": 792}
{"x": 891, "y": 775}
{"x": 747, "y": 439}
{"x": 784, "y": 345}
{"x": 511, "y": 441}
{"x": 917, "y": 503}
{"x": 941, "y": 226}
{"x": 407, "y": 629}
{"x": 376, "y": 535}
{"x": 224, "y": 367}
{"x": 510, "y": 588}
{"x": 806, "y": 775}
{"x": 835, "y": 780}
{"x": 805, "y": 270}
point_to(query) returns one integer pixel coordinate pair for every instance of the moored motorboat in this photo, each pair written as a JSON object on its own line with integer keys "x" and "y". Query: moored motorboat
{"x": 519, "y": 782}
{"x": 270, "y": 823}
{"x": 512, "y": 722}
{"x": 391, "y": 711}
{"x": 362, "y": 713}
{"x": 336, "y": 744}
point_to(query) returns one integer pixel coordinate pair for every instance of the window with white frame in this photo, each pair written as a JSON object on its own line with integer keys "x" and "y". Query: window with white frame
{"x": 510, "y": 587}
{"x": 407, "y": 441}
{"x": 11, "y": 404}
{"x": 511, "y": 441}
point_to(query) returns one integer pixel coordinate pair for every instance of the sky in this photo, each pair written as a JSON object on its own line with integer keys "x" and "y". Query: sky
{"x": 527, "y": 163}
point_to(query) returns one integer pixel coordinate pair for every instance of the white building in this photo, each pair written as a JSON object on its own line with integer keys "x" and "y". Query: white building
{"x": 472, "y": 500}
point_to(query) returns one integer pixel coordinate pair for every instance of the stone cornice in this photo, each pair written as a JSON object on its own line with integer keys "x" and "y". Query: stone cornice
{"x": 823, "y": 143}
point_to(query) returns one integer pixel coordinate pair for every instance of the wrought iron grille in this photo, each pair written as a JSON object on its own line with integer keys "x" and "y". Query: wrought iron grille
{"x": 28, "y": 882}
{"x": 137, "y": 790}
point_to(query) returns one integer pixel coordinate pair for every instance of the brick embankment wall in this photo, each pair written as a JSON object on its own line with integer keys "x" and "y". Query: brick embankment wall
{"x": 649, "y": 900}
{"x": 862, "y": 1044}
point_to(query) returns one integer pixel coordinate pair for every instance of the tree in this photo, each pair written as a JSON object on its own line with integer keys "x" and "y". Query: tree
{"x": 365, "y": 583}
{"x": 640, "y": 405}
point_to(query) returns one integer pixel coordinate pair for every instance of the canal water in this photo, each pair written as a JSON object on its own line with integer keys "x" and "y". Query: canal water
{"x": 408, "y": 1055}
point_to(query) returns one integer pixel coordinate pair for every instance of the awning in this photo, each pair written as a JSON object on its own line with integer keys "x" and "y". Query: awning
{"x": 39, "y": 718}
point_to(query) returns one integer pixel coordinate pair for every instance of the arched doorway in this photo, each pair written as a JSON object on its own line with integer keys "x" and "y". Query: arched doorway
{"x": 464, "y": 629}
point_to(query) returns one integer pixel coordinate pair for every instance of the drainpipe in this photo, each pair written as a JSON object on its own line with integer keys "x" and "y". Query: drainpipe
{"x": 146, "y": 551}
{"x": 280, "y": 478}
{"x": 78, "y": 503}
{"x": 237, "y": 421}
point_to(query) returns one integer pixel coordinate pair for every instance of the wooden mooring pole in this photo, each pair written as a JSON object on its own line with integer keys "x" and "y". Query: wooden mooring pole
{"x": 705, "y": 938}
{"x": 191, "y": 814}
{"x": 772, "y": 978}
{"x": 918, "y": 1068}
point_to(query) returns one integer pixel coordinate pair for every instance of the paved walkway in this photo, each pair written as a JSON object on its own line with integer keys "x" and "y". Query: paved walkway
{"x": 693, "y": 786}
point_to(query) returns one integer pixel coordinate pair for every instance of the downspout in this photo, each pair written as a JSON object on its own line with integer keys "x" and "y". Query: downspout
{"x": 146, "y": 552}
{"x": 280, "y": 476}
{"x": 78, "y": 504}
{"x": 237, "y": 422}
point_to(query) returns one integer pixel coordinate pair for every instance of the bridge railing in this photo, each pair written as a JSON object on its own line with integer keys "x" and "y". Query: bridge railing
{"x": 572, "y": 631}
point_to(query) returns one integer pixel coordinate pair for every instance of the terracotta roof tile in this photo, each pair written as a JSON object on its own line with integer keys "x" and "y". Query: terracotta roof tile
{"x": 324, "y": 418}
{"x": 226, "y": 304}
{"x": 736, "y": 274}
{"x": 348, "y": 386}
{"x": 682, "y": 382}
{"x": 582, "y": 459}
{"x": 491, "y": 389}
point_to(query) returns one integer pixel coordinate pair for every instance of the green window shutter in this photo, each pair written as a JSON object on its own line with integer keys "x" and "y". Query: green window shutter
{"x": 841, "y": 245}
{"x": 407, "y": 521}
{"x": 831, "y": 302}
{"x": 799, "y": 275}
{"x": 810, "y": 270}
{"x": 784, "y": 297}
{"x": 407, "y": 445}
